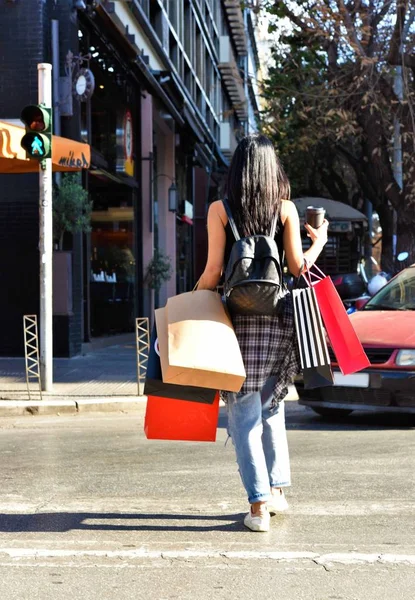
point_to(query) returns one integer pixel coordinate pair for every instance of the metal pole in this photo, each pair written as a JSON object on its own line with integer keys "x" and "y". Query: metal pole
{"x": 45, "y": 242}
{"x": 397, "y": 156}
{"x": 55, "y": 79}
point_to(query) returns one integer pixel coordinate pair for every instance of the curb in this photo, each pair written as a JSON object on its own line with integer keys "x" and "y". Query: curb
{"x": 67, "y": 406}
{"x": 74, "y": 405}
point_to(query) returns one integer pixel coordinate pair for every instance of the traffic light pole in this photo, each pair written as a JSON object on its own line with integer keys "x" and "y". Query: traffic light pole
{"x": 45, "y": 243}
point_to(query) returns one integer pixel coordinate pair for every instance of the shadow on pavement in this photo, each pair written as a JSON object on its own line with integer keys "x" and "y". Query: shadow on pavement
{"x": 304, "y": 418}
{"x": 61, "y": 522}
{"x": 301, "y": 417}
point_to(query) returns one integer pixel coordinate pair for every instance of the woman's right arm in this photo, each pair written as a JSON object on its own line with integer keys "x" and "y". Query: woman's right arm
{"x": 292, "y": 240}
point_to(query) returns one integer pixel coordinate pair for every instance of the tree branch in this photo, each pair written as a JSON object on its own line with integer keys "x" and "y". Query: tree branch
{"x": 292, "y": 16}
{"x": 351, "y": 30}
{"x": 378, "y": 17}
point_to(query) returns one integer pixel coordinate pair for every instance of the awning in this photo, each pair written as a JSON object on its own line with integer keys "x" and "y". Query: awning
{"x": 67, "y": 155}
{"x": 335, "y": 210}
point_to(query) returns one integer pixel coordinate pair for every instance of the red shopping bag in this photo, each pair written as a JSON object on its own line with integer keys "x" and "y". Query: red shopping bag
{"x": 343, "y": 339}
{"x": 172, "y": 419}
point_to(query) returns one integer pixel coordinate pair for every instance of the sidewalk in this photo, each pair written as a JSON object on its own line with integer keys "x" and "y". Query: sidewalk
{"x": 103, "y": 379}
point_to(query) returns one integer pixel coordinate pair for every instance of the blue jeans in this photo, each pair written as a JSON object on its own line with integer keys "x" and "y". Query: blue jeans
{"x": 260, "y": 442}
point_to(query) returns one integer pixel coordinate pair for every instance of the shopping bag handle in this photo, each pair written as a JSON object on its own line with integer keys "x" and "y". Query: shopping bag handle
{"x": 314, "y": 266}
{"x": 307, "y": 270}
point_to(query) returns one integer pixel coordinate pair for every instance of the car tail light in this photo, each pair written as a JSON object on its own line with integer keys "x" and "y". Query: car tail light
{"x": 361, "y": 303}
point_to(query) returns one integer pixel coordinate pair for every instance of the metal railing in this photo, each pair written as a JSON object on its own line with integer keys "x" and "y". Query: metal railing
{"x": 31, "y": 350}
{"x": 142, "y": 338}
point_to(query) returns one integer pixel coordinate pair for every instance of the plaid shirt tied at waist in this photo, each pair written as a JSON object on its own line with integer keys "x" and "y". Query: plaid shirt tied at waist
{"x": 269, "y": 349}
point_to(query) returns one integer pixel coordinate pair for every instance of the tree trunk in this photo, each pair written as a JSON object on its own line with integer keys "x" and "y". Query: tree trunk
{"x": 385, "y": 218}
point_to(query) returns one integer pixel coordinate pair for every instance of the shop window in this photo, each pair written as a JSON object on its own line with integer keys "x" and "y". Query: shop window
{"x": 113, "y": 267}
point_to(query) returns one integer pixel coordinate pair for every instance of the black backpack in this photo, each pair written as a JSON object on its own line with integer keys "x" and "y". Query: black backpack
{"x": 253, "y": 277}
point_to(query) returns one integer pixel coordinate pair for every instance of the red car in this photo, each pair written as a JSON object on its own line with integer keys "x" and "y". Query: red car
{"x": 386, "y": 328}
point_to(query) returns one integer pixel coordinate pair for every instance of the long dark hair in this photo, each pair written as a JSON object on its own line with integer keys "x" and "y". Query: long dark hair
{"x": 256, "y": 185}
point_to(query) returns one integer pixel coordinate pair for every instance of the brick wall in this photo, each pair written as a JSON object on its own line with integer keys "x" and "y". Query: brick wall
{"x": 19, "y": 55}
{"x": 25, "y": 42}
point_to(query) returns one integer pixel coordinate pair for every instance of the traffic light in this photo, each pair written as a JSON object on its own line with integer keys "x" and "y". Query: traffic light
{"x": 38, "y": 138}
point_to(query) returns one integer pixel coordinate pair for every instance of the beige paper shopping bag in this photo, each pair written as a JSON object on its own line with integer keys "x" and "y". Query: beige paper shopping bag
{"x": 202, "y": 349}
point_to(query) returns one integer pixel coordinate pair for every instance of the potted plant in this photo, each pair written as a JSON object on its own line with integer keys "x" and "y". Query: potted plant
{"x": 71, "y": 208}
{"x": 71, "y": 213}
{"x": 159, "y": 270}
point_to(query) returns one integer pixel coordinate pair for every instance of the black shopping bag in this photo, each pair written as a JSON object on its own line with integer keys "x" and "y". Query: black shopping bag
{"x": 154, "y": 385}
{"x": 314, "y": 355}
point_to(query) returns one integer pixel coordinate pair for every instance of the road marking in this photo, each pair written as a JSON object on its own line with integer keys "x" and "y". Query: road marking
{"x": 346, "y": 558}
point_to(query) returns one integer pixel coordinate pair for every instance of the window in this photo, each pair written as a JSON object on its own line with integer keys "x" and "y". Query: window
{"x": 200, "y": 58}
{"x": 188, "y": 32}
{"x": 188, "y": 78}
{"x": 174, "y": 51}
{"x": 210, "y": 83}
{"x": 145, "y": 4}
{"x": 173, "y": 12}
{"x": 176, "y": 16}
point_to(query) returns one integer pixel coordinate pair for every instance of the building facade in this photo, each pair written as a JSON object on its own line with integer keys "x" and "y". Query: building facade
{"x": 161, "y": 90}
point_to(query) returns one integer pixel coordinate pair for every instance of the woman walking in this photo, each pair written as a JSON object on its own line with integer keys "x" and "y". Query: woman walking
{"x": 258, "y": 191}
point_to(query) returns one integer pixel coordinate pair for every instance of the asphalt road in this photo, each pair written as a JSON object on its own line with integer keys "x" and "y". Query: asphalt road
{"x": 90, "y": 509}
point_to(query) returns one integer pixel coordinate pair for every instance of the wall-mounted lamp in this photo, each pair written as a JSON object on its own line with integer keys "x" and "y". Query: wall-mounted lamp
{"x": 173, "y": 198}
{"x": 172, "y": 192}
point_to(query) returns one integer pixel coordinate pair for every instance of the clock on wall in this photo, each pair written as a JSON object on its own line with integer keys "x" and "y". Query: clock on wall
{"x": 84, "y": 85}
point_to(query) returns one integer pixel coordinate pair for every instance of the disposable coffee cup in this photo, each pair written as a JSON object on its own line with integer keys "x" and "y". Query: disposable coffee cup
{"x": 315, "y": 216}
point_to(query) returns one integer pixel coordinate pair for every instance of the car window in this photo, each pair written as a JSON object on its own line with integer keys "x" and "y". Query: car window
{"x": 398, "y": 294}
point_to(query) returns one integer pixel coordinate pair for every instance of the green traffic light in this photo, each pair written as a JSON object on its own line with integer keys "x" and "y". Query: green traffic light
{"x": 36, "y": 145}
{"x": 38, "y": 139}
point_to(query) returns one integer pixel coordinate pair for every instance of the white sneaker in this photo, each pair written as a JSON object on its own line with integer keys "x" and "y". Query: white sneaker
{"x": 257, "y": 523}
{"x": 278, "y": 503}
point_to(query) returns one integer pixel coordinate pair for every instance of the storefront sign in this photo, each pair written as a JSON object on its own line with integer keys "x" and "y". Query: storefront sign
{"x": 67, "y": 154}
{"x": 125, "y": 144}
{"x": 74, "y": 162}
{"x": 128, "y": 143}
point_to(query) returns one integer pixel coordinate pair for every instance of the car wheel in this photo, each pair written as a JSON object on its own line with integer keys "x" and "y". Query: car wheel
{"x": 325, "y": 411}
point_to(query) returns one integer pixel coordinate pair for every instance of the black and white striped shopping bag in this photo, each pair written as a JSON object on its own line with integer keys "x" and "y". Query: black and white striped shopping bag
{"x": 315, "y": 360}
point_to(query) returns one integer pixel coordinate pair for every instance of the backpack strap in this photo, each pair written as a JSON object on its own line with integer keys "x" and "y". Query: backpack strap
{"x": 274, "y": 226}
{"x": 231, "y": 220}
